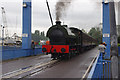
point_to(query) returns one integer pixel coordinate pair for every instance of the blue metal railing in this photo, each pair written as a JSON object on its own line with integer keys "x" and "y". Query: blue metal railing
{"x": 13, "y": 52}
{"x": 101, "y": 68}
{"x": 118, "y": 50}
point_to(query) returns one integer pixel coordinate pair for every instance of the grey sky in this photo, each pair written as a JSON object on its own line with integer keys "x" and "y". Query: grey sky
{"x": 82, "y": 14}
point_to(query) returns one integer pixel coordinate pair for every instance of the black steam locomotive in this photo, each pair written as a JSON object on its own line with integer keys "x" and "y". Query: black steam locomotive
{"x": 65, "y": 42}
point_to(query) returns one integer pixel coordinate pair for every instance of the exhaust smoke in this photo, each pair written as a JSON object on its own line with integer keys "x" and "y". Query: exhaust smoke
{"x": 61, "y": 7}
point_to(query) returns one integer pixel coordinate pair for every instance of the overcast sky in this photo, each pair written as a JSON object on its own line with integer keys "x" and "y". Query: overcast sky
{"x": 82, "y": 14}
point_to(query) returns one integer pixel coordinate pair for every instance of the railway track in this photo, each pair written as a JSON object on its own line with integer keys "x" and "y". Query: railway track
{"x": 30, "y": 70}
{"x": 35, "y": 70}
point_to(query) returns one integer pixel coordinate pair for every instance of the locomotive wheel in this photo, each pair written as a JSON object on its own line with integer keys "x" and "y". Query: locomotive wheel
{"x": 53, "y": 56}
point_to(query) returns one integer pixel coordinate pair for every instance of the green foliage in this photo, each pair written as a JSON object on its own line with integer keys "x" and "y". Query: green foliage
{"x": 37, "y": 36}
{"x": 37, "y": 32}
{"x": 96, "y": 33}
{"x": 42, "y": 33}
{"x": 118, "y": 44}
{"x": 83, "y": 31}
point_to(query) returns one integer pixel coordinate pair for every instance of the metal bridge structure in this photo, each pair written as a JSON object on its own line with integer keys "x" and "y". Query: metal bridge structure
{"x": 102, "y": 68}
{"x": 107, "y": 67}
{"x": 8, "y": 53}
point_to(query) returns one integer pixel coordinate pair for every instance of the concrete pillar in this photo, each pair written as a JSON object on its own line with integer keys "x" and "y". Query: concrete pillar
{"x": 114, "y": 47}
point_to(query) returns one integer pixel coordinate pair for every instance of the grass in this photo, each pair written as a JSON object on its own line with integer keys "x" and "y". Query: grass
{"x": 118, "y": 44}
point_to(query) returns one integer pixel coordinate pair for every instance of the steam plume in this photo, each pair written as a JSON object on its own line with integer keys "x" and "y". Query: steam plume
{"x": 61, "y": 7}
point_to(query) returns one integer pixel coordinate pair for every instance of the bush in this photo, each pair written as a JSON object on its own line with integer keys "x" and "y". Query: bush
{"x": 118, "y": 44}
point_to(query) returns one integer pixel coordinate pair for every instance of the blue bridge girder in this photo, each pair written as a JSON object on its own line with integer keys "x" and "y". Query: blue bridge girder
{"x": 26, "y": 31}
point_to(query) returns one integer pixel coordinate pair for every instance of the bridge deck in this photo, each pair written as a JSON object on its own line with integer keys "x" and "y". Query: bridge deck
{"x": 12, "y": 65}
{"x": 73, "y": 68}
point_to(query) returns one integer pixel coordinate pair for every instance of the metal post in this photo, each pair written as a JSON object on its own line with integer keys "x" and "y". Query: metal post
{"x": 114, "y": 47}
{"x": 49, "y": 12}
{"x": 26, "y": 32}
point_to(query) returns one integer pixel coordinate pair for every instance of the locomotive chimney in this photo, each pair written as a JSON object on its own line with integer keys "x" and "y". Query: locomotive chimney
{"x": 58, "y": 22}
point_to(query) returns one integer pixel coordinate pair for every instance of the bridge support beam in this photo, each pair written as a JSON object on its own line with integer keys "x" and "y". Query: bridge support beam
{"x": 114, "y": 42}
{"x": 110, "y": 36}
{"x": 26, "y": 30}
{"x": 106, "y": 28}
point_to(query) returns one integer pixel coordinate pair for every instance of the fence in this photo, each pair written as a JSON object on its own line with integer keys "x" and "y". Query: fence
{"x": 119, "y": 50}
{"x": 101, "y": 68}
{"x": 16, "y": 52}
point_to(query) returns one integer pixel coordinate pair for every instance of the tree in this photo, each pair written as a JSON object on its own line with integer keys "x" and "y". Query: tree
{"x": 37, "y": 36}
{"x": 96, "y": 33}
{"x": 83, "y": 31}
{"x": 43, "y": 33}
{"x": 92, "y": 32}
{"x": 37, "y": 32}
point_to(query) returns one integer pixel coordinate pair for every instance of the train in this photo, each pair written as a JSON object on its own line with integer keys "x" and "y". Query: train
{"x": 67, "y": 41}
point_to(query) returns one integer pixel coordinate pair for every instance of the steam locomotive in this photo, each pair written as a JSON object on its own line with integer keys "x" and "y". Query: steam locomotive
{"x": 66, "y": 42}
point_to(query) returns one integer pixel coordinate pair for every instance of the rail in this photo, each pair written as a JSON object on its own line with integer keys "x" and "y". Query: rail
{"x": 101, "y": 69}
{"x": 13, "y": 52}
{"x": 27, "y": 69}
